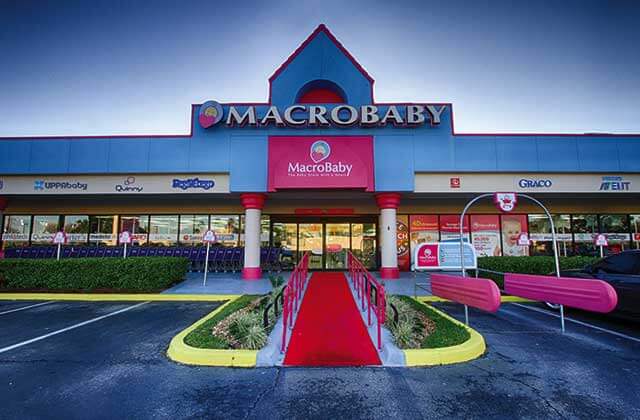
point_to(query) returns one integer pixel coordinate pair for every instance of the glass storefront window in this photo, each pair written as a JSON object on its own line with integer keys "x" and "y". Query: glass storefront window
{"x": 103, "y": 230}
{"x": 485, "y": 234}
{"x": 616, "y": 229}
{"x": 265, "y": 224}
{"x": 44, "y": 229}
{"x": 584, "y": 227}
{"x": 310, "y": 237}
{"x": 337, "y": 245}
{"x": 422, "y": 228}
{"x": 363, "y": 243}
{"x": 77, "y": 229}
{"x": 15, "y": 231}
{"x": 226, "y": 228}
{"x": 450, "y": 227}
{"x": 540, "y": 234}
{"x": 512, "y": 226}
{"x": 163, "y": 230}
{"x": 285, "y": 236}
{"x": 192, "y": 227}
{"x": 635, "y": 230}
{"x": 138, "y": 227}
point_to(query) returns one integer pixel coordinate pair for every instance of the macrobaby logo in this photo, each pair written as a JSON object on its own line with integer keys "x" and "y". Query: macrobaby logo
{"x": 319, "y": 152}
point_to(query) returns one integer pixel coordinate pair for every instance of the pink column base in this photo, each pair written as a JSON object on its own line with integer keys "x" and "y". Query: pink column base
{"x": 389, "y": 272}
{"x": 251, "y": 273}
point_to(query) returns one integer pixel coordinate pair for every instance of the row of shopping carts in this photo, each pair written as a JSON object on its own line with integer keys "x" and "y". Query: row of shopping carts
{"x": 221, "y": 259}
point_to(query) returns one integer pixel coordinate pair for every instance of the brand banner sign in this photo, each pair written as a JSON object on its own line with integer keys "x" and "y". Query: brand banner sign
{"x": 115, "y": 184}
{"x": 314, "y": 162}
{"x": 527, "y": 183}
{"x": 443, "y": 256}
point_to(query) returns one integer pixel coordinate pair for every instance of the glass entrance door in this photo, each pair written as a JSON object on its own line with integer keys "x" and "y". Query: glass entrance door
{"x": 310, "y": 237}
{"x": 327, "y": 239}
{"x": 363, "y": 243}
{"x": 337, "y": 243}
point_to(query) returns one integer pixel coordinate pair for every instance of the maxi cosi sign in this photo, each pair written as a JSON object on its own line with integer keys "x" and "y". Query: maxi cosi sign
{"x": 212, "y": 113}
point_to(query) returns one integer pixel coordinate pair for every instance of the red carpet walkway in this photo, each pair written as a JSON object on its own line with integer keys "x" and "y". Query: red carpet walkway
{"x": 329, "y": 330}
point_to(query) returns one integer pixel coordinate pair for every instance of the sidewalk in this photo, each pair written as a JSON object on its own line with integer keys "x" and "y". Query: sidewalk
{"x": 233, "y": 284}
{"x": 222, "y": 284}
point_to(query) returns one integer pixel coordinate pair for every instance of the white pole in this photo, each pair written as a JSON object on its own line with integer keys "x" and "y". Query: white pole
{"x": 125, "y": 250}
{"x": 206, "y": 265}
{"x": 58, "y": 254}
{"x": 466, "y": 314}
{"x": 601, "y": 251}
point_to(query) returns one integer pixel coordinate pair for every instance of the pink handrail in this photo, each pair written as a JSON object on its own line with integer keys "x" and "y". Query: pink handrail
{"x": 292, "y": 295}
{"x": 363, "y": 283}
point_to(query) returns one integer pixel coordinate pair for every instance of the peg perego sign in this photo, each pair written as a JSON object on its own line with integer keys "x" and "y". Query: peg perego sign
{"x": 211, "y": 113}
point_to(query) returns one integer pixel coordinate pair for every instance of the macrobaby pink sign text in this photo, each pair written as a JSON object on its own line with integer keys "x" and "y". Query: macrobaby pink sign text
{"x": 298, "y": 162}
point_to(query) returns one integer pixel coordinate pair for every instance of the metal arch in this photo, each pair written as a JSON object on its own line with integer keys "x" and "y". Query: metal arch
{"x": 553, "y": 239}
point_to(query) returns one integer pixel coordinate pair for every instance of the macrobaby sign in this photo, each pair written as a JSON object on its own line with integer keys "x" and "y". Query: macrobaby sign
{"x": 444, "y": 256}
{"x": 343, "y": 162}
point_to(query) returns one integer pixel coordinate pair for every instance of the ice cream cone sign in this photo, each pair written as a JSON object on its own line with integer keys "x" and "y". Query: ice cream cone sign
{"x": 505, "y": 201}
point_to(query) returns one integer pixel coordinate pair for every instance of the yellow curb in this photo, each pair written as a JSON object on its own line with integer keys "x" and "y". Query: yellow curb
{"x": 503, "y": 299}
{"x": 182, "y": 353}
{"x": 515, "y": 299}
{"x": 471, "y": 349}
{"x": 95, "y": 297}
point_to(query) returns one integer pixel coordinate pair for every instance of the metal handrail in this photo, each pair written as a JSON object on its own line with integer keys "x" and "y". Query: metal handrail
{"x": 368, "y": 289}
{"x": 292, "y": 296}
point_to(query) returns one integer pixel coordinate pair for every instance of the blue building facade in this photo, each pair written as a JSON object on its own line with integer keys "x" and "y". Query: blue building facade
{"x": 432, "y": 168}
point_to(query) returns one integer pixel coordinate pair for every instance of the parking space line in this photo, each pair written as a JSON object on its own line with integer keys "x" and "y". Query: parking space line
{"x": 72, "y": 327}
{"x": 26, "y": 307}
{"x": 575, "y": 321}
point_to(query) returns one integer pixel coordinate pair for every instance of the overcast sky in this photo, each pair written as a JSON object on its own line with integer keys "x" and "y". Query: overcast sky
{"x": 127, "y": 67}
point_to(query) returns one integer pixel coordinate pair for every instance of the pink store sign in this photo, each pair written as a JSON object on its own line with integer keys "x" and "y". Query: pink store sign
{"x": 313, "y": 162}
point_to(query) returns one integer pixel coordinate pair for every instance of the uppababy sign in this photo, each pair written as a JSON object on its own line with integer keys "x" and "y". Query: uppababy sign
{"x": 334, "y": 162}
{"x": 40, "y": 185}
{"x": 212, "y": 113}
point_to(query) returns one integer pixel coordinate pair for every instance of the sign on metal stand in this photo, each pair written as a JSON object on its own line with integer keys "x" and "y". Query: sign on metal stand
{"x": 523, "y": 239}
{"x": 208, "y": 238}
{"x": 601, "y": 241}
{"x": 506, "y": 202}
{"x": 59, "y": 239}
{"x": 125, "y": 238}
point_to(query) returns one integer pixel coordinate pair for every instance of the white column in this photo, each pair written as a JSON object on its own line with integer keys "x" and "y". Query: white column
{"x": 252, "y": 204}
{"x": 388, "y": 236}
{"x": 388, "y": 204}
{"x": 252, "y": 238}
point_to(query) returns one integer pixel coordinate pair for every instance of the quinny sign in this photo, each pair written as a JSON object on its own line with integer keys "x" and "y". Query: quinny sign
{"x": 326, "y": 162}
{"x": 211, "y": 113}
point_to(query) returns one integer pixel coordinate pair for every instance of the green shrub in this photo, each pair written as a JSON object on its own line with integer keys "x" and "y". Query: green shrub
{"x": 408, "y": 332}
{"x": 529, "y": 265}
{"x": 131, "y": 274}
{"x": 202, "y": 336}
{"x": 446, "y": 332}
{"x": 255, "y": 338}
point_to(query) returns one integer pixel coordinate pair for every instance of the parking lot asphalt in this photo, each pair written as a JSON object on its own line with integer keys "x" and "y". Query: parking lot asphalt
{"x": 116, "y": 368}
